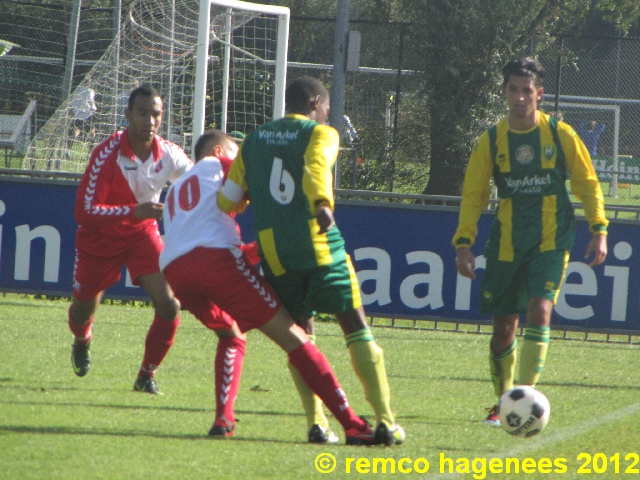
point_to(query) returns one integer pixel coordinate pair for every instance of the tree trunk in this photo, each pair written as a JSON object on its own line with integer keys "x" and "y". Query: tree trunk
{"x": 449, "y": 153}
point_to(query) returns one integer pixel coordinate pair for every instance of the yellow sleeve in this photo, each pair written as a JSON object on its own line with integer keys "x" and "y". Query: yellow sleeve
{"x": 232, "y": 196}
{"x": 319, "y": 157}
{"x": 475, "y": 192}
{"x": 584, "y": 180}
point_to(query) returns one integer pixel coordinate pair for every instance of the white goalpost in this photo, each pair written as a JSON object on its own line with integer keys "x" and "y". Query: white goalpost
{"x": 580, "y": 111}
{"x": 206, "y": 32}
{"x": 217, "y": 63}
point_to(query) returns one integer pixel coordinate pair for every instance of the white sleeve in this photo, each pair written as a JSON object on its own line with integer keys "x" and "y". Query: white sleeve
{"x": 181, "y": 161}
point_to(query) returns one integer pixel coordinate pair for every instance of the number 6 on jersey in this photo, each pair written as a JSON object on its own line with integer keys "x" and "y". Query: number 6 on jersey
{"x": 281, "y": 184}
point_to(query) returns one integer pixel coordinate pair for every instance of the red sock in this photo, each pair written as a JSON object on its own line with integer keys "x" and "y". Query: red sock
{"x": 228, "y": 366}
{"x": 159, "y": 340}
{"x": 81, "y": 332}
{"x": 316, "y": 372}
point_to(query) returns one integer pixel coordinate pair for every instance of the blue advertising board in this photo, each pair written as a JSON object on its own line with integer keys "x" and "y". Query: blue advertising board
{"x": 402, "y": 254}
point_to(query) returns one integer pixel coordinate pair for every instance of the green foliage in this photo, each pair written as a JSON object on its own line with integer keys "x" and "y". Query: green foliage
{"x": 54, "y": 425}
{"x": 624, "y": 14}
{"x": 460, "y": 47}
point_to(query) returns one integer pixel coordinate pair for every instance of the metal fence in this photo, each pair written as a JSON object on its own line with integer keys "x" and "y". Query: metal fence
{"x": 387, "y": 148}
{"x": 592, "y": 84}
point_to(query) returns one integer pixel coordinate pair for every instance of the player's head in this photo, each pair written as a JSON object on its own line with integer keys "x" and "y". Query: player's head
{"x": 524, "y": 67}
{"x": 308, "y": 96}
{"x": 522, "y": 88}
{"x": 215, "y": 143}
{"x": 144, "y": 90}
{"x": 144, "y": 113}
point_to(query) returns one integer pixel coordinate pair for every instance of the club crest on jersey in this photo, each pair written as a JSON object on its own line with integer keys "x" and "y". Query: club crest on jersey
{"x": 524, "y": 154}
{"x": 549, "y": 151}
{"x": 486, "y": 297}
{"x": 158, "y": 166}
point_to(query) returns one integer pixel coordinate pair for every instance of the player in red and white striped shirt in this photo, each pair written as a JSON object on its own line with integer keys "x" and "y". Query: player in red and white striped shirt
{"x": 117, "y": 208}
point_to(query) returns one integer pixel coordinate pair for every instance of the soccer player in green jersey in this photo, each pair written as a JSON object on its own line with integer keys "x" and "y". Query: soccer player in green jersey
{"x": 530, "y": 156}
{"x": 285, "y": 167}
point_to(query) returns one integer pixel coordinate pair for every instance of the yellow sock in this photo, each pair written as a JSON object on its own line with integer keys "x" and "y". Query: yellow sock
{"x": 311, "y": 403}
{"x": 367, "y": 359}
{"x": 533, "y": 354}
{"x": 502, "y": 367}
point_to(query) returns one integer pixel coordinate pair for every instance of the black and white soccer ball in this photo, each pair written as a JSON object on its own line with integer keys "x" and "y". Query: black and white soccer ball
{"x": 523, "y": 411}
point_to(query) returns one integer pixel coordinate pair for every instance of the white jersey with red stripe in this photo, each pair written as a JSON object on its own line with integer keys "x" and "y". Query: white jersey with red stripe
{"x": 191, "y": 216}
{"x": 114, "y": 182}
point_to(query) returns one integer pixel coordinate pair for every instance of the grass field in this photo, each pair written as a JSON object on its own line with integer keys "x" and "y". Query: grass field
{"x": 54, "y": 425}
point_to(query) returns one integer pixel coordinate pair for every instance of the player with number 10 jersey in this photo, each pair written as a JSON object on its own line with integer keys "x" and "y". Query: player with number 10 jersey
{"x": 209, "y": 273}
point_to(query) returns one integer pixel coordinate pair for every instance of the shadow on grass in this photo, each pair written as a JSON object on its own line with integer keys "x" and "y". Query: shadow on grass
{"x": 133, "y": 434}
{"x": 30, "y": 304}
{"x": 550, "y": 384}
{"x": 165, "y": 408}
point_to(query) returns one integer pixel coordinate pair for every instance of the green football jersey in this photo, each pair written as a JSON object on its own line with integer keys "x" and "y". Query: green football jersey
{"x": 530, "y": 169}
{"x": 287, "y": 172}
{"x": 530, "y": 174}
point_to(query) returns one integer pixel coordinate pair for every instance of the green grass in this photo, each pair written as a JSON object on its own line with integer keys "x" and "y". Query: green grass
{"x": 54, "y": 425}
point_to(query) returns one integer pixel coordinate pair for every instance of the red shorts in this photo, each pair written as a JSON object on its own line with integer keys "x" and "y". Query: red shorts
{"x": 211, "y": 281}
{"x": 93, "y": 273}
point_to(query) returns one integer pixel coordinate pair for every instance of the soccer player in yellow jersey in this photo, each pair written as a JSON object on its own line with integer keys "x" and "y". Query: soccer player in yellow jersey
{"x": 285, "y": 166}
{"x": 530, "y": 156}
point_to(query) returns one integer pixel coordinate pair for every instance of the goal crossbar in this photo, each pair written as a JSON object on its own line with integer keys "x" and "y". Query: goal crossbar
{"x": 202, "y": 55}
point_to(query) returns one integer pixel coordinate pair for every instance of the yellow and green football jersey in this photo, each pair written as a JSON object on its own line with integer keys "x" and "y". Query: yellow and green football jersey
{"x": 285, "y": 166}
{"x": 530, "y": 169}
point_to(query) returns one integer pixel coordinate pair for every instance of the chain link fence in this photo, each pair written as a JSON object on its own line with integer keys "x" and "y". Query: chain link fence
{"x": 34, "y": 70}
{"x": 593, "y": 85}
{"x": 386, "y": 137}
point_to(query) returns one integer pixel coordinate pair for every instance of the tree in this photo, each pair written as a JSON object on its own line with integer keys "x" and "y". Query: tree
{"x": 463, "y": 44}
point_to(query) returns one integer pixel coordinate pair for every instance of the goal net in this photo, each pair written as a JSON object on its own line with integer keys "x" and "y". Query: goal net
{"x": 608, "y": 159}
{"x": 243, "y": 71}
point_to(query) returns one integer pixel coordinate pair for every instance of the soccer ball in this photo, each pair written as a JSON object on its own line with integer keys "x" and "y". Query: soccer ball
{"x": 523, "y": 411}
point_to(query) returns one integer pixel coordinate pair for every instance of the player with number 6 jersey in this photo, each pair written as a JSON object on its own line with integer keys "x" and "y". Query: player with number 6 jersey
{"x": 285, "y": 167}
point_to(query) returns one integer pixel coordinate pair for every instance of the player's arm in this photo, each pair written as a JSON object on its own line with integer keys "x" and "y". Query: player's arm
{"x": 585, "y": 186}
{"x": 181, "y": 162}
{"x": 95, "y": 186}
{"x": 584, "y": 180}
{"x": 475, "y": 193}
{"x": 232, "y": 197}
{"x": 465, "y": 261}
{"x": 169, "y": 212}
{"x": 319, "y": 157}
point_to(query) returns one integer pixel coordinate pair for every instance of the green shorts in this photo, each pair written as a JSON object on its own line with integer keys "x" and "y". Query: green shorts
{"x": 328, "y": 289}
{"x": 507, "y": 286}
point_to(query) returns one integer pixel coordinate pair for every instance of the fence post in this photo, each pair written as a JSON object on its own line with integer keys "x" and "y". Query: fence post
{"x": 336, "y": 117}
{"x": 74, "y": 25}
{"x": 559, "y": 77}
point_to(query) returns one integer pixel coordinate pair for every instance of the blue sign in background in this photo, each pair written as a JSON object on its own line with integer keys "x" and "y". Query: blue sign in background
{"x": 403, "y": 256}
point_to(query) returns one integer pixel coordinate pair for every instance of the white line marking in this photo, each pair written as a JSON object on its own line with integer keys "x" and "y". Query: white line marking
{"x": 538, "y": 442}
